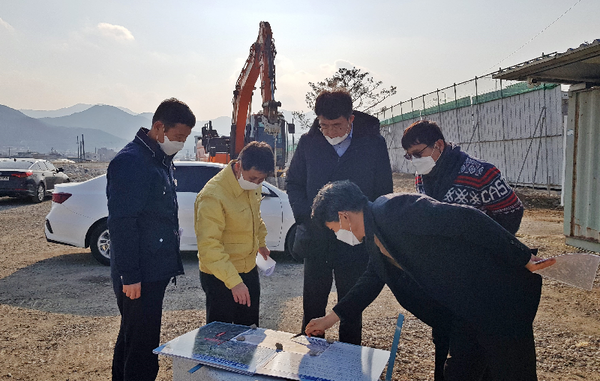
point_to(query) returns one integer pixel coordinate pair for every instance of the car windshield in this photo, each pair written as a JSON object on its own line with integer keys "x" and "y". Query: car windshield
{"x": 11, "y": 164}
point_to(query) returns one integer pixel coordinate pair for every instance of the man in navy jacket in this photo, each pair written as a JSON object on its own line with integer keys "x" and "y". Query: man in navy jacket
{"x": 455, "y": 256}
{"x": 144, "y": 232}
{"x": 342, "y": 144}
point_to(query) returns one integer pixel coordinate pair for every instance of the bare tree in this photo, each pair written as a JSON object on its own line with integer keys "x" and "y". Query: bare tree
{"x": 301, "y": 120}
{"x": 363, "y": 88}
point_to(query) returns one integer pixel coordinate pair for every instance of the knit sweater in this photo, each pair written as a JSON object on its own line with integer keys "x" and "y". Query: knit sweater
{"x": 469, "y": 181}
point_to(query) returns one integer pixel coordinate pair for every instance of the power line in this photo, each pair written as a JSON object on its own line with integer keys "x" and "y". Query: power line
{"x": 534, "y": 37}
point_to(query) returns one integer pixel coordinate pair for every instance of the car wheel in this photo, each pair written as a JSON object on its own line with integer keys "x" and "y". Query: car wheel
{"x": 100, "y": 243}
{"x": 289, "y": 242}
{"x": 40, "y": 193}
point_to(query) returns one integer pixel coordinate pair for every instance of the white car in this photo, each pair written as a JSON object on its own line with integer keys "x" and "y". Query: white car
{"x": 79, "y": 211}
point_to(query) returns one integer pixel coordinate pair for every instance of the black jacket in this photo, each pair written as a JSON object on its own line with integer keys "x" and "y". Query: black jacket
{"x": 142, "y": 213}
{"x": 458, "y": 256}
{"x": 315, "y": 163}
{"x": 380, "y": 272}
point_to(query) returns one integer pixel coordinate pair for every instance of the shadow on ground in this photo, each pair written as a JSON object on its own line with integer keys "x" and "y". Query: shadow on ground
{"x": 76, "y": 284}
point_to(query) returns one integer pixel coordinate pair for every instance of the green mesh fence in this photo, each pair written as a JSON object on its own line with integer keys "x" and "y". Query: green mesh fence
{"x": 466, "y": 94}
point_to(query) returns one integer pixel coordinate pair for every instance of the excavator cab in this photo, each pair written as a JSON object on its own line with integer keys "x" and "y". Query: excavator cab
{"x": 216, "y": 146}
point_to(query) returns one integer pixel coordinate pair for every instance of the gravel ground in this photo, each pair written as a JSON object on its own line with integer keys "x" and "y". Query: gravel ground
{"x": 58, "y": 317}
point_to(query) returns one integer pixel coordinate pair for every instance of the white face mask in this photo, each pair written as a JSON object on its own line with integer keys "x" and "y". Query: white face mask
{"x": 169, "y": 147}
{"x": 347, "y": 236}
{"x": 245, "y": 184}
{"x": 424, "y": 165}
{"x": 338, "y": 140}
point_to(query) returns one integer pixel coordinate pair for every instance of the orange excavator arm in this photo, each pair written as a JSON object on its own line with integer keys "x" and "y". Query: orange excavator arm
{"x": 260, "y": 62}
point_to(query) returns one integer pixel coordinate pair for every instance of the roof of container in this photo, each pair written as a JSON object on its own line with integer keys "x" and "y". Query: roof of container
{"x": 576, "y": 65}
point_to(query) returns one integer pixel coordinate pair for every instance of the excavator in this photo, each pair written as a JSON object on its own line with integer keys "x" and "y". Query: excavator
{"x": 267, "y": 125}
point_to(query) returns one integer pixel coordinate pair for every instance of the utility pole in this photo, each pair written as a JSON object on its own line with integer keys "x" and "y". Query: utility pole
{"x": 82, "y": 147}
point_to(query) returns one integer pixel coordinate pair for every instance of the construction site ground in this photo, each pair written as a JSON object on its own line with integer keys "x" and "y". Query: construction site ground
{"x": 59, "y": 319}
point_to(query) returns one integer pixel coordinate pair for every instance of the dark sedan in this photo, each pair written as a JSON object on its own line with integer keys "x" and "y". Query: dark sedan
{"x": 27, "y": 177}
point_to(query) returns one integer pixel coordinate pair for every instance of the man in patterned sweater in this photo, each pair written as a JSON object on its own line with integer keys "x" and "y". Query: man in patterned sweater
{"x": 447, "y": 174}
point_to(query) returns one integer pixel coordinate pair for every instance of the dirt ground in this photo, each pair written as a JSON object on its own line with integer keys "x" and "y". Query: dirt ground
{"x": 59, "y": 321}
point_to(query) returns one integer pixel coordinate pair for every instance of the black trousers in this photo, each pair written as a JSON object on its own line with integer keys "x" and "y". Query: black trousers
{"x": 441, "y": 340}
{"x": 220, "y": 305}
{"x": 476, "y": 354}
{"x": 345, "y": 264}
{"x": 139, "y": 333}
{"x": 413, "y": 298}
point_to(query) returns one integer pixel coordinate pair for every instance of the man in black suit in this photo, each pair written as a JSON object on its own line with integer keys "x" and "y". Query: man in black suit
{"x": 452, "y": 257}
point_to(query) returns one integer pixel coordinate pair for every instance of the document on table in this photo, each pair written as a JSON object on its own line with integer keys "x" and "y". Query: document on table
{"x": 212, "y": 345}
{"x": 263, "y": 351}
{"x": 575, "y": 269}
{"x": 340, "y": 362}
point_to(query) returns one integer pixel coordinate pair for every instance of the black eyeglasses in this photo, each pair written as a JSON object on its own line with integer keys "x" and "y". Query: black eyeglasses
{"x": 417, "y": 155}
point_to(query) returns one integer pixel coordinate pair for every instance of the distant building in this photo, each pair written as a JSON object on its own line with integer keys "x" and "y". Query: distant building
{"x": 105, "y": 154}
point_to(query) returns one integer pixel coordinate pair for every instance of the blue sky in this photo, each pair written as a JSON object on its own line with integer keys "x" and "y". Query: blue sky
{"x": 136, "y": 53}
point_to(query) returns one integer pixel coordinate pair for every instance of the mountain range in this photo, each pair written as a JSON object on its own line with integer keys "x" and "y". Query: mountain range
{"x": 109, "y": 119}
{"x": 103, "y": 126}
{"x": 22, "y": 133}
{"x": 65, "y": 111}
